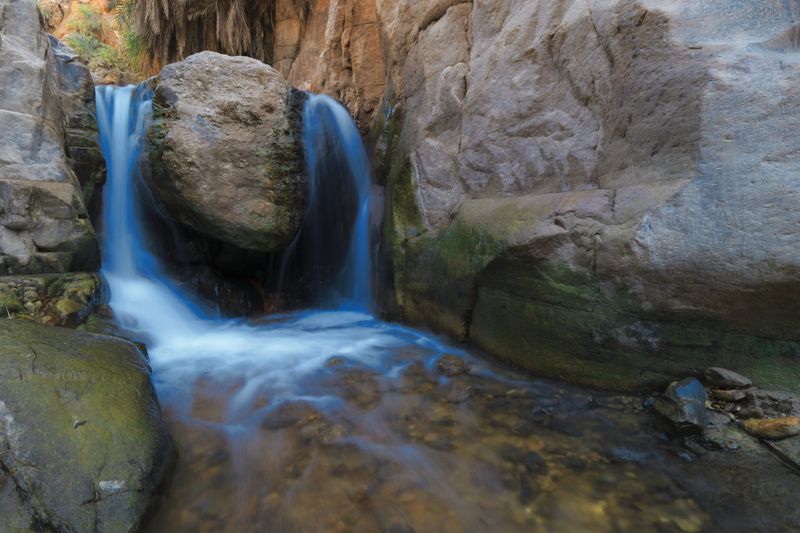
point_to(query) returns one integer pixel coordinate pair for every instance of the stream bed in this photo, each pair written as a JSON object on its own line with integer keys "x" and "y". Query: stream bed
{"x": 335, "y": 421}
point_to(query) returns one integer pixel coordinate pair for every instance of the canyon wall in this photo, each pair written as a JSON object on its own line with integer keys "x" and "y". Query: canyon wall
{"x": 601, "y": 190}
{"x": 50, "y": 169}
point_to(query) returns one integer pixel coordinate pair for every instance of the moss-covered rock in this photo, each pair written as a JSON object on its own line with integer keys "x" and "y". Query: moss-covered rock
{"x": 519, "y": 278}
{"x": 82, "y": 443}
{"x": 51, "y": 299}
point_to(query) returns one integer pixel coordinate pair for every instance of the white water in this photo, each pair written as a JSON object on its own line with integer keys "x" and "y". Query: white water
{"x": 185, "y": 342}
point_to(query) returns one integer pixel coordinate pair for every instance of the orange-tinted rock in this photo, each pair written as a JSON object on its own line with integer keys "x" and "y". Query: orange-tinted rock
{"x": 773, "y": 429}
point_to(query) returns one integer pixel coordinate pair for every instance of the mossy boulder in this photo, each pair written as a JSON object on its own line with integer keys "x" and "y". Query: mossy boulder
{"x": 540, "y": 281}
{"x": 82, "y": 443}
{"x": 225, "y": 153}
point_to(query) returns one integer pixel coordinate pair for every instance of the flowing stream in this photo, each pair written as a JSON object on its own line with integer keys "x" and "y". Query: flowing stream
{"x": 332, "y": 420}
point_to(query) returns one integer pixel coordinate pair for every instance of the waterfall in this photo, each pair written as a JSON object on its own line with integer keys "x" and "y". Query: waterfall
{"x": 338, "y": 175}
{"x": 142, "y": 297}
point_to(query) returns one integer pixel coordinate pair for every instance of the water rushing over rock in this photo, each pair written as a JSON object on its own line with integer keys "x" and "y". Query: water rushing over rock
{"x": 335, "y": 421}
{"x": 338, "y": 178}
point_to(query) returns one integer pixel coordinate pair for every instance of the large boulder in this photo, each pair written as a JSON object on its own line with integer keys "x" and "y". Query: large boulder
{"x": 82, "y": 443}
{"x": 596, "y": 190}
{"x": 44, "y": 225}
{"x": 226, "y": 155}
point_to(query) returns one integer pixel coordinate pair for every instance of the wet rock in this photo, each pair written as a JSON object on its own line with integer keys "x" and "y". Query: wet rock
{"x": 683, "y": 403}
{"x": 81, "y": 435}
{"x": 726, "y": 379}
{"x": 451, "y": 365}
{"x": 288, "y": 414}
{"x": 456, "y": 391}
{"x": 729, "y": 395}
{"x": 773, "y": 429}
{"x": 50, "y": 299}
{"x": 225, "y": 155}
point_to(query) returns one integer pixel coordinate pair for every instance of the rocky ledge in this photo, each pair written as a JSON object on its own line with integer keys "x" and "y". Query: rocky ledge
{"x": 727, "y": 412}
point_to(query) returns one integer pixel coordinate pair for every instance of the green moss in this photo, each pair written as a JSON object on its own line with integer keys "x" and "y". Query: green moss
{"x": 556, "y": 321}
{"x": 86, "y": 412}
{"x": 10, "y": 302}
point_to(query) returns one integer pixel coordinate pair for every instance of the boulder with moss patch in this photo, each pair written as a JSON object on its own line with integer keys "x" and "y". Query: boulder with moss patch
{"x": 82, "y": 443}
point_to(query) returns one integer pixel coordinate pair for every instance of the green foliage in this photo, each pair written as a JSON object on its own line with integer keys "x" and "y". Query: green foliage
{"x": 87, "y": 22}
{"x": 96, "y": 53}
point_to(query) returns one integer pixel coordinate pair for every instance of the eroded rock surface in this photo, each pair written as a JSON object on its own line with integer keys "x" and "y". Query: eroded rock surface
{"x": 44, "y": 226}
{"x": 82, "y": 443}
{"x": 598, "y": 182}
{"x": 226, "y": 155}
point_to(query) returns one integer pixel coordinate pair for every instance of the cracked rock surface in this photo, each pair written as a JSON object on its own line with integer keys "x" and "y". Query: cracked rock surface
{"x": 82, "y": 443}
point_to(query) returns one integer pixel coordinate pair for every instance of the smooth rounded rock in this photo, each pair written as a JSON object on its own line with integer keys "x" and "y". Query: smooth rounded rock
{"x": 225, "y": 152}
{"x": 773, "y": 429}
{"x": 81, "y": 435}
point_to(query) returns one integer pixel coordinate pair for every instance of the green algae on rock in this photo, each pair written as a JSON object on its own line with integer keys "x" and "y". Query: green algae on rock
{"x": 50, "y": 299}
{"x": 82, "y": 442}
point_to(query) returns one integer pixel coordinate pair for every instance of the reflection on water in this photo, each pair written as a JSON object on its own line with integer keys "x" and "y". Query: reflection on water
{"x": 334, "y": 421}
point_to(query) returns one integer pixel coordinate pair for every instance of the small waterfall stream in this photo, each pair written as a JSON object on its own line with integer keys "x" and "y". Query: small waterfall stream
{"x": 331, "y": 420}
{"x": 332, "y": 142}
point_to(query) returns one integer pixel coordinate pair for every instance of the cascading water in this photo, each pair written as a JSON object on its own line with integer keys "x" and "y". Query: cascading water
{"x": 333, "y": 143}
{"x": 143, "y": 299}
{"x": 333, "y": 420}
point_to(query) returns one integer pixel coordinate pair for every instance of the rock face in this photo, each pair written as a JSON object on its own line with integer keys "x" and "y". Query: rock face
{"x": 590, "y": 190}
{"x": 226, "y": 154}
{"x": 44, "y": 225}
{"x": 75, "y": 87}
{"x": 82, "y": 443}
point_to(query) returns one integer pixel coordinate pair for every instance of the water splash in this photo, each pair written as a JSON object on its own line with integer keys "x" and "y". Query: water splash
{"x": 142, "y": 297}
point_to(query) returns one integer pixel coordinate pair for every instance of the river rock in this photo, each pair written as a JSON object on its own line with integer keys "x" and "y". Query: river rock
{"x": 225, "y": 150}
{"x": 773, "y": 429}
{"x": 726, "y": 379}
{"x": 684, "y": 404}
{"x": 50, "y": 299}
{"x": 729, "y": 395}
{"x": 82, "y": 442}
